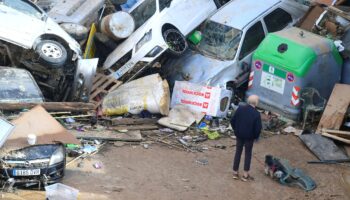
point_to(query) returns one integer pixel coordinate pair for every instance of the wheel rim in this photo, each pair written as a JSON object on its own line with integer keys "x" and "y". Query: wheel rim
{"x": 51, "y": 50}
{"x": 175, "y": 41}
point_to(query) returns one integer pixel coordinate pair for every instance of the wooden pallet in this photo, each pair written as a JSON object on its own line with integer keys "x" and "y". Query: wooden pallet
{"x": 102, "y": 85}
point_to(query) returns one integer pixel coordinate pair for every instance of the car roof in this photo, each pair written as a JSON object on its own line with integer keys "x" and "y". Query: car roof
{"x": 239, "y": 13}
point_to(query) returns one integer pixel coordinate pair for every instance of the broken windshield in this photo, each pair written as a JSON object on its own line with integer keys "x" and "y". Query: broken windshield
{"x": 143, "y": 12}
{"x": 219, "y": 40}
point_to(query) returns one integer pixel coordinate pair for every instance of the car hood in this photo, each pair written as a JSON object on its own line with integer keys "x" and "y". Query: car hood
{"x": 196, "y": 68}
{"x": 33, "y": 152}
{"x": 128, "y": 44}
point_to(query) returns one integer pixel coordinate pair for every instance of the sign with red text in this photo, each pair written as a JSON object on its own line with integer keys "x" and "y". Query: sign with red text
{"x": 212, "y": 101}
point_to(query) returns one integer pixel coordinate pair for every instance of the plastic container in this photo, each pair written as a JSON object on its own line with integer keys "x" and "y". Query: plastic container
{"x": 60, "y": 191}
{"x": 195, "y": 37}
{"x": 288, "y": 61}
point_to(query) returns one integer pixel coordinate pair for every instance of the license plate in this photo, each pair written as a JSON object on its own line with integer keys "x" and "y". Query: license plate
{"x": 26, "y": 172}
{"x": 121, "y": 71}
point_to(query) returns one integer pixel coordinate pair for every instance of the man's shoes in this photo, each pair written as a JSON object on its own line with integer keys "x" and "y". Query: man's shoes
{"x": 247, "y": 178}
{"x": 235, "y": 176}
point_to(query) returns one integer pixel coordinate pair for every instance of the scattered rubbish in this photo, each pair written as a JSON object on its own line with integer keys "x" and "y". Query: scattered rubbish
{"x": 212, "y": 135}
{"x": 202, "y": 161}
{"x": 89, "y": 149}
{"x": 280, "y": 170}
{"x": 180, "y": 118}
{"x": 291, "y": 129}
{"x": 220, "y": 146}
{"x": 187, "y": 138}
{"x": 148, "y": 93}
{"x": 98, "y": 165}
{"x": 322, "y": 147}
{"x": 31, "y": 139}
{"x": 70, "y": 120}
{"x": 146, "y": 146}
{"x": 203, "y": 99}
{"x": 60, "y": 191}
{"x": 166, "y": 130}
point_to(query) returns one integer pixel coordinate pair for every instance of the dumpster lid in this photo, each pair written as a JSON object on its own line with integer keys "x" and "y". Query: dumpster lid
{"x": 294, "y": 50}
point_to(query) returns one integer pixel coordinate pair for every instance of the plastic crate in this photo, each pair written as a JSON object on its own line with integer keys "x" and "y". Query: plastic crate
{"x": 60, "y": 191}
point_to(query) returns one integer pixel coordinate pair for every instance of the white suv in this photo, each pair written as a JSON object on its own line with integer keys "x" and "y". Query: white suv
{"x": 29, "y": 38}
{"x": 160, "y": 26}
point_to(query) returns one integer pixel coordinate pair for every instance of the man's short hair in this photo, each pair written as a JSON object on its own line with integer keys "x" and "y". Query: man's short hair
{"x": 253, "y": 100}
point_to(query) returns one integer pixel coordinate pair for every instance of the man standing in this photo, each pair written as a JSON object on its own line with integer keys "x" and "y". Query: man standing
{"x": 246, "y": 123}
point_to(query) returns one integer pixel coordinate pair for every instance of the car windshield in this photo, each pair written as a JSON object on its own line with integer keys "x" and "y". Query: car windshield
{"x": 23, "y": 6}
{"x": 143, "y": 12}
{"x": 219, "y": 41}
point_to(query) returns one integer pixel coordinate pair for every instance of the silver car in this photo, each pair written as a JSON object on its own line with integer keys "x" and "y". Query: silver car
{"x": 222, "y": 57}
{"x": 32, "y": 40}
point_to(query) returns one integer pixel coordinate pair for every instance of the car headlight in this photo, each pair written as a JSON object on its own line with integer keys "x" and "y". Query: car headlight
{"x": 147, "y": 37}
{"x": 57, "y": 156}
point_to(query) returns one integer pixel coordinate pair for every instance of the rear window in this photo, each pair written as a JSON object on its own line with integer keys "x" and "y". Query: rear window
{"x": 277, "y": 20}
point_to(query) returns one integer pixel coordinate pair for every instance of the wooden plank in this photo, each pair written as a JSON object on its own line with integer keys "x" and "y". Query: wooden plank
{"x": 131, "y": 121}
{"x": 338, "y": 103}
{"x": 130, "y": 136}
{"x": 336, "y": 138}
{"x": 50, "y": 106}
{"x": 136, "y": 127}
{"x": 336, "y": 132}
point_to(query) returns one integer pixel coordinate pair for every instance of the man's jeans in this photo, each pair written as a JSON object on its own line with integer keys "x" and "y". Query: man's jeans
{"x": 248, "y": 146}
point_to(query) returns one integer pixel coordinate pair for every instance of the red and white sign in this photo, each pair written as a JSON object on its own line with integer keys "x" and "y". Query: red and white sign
{"x": 251, "y": 79}
{"x": 200, "y": 98}
{"x": 295, "y": 101}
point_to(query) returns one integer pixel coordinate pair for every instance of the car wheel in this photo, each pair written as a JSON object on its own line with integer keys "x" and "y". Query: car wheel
{"x": 51, "y": 53}
{"x": 176, "y": 41}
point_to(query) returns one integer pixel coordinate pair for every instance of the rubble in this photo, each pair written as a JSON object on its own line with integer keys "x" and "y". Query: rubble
{"x": 167, "y": 73}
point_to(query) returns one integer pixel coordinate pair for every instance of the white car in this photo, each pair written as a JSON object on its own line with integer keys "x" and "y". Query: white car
{"x": 160, "y": 26}
{"x": 29, "y": 38}
{"x": 223, "y": 57}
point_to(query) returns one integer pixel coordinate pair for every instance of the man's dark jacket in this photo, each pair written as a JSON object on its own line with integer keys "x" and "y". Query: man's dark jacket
{"x": 246, "y": 122}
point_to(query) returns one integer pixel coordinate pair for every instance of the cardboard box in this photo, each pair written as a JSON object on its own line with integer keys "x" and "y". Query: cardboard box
{"x": 211, "y": 101}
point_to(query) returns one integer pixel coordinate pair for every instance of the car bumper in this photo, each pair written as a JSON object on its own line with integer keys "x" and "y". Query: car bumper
{"x": 48, "y": 175}
{"x": 138, "y": 62}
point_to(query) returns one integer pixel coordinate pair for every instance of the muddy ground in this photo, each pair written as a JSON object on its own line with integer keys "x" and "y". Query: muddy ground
{"x": 134, "y": 172}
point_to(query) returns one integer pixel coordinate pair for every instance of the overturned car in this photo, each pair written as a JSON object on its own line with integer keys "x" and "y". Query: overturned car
{"x": 35, "y": 165}
{"x": 30, "y": 39}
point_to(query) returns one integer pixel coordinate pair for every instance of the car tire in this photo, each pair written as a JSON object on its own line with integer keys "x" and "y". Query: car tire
{"x": 176, "y": 41}
{"x": 51, "y": 53}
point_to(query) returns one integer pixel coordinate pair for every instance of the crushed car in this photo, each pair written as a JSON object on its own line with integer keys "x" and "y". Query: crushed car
{"x": 223, "y": 54}
{"x": 36, "y": 165}
{"x": 30, "y": 39}
{"x": 161, "y": 25}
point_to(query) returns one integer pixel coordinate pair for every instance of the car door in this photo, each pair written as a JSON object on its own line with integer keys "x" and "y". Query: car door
{"x": 21, "y": 22}
{"x": 252, "y": 38}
